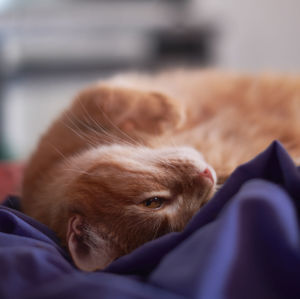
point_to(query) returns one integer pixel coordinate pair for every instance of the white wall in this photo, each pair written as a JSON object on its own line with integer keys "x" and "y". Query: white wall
{"x": 31, "y": 106}
{"x": 256, "y": 34}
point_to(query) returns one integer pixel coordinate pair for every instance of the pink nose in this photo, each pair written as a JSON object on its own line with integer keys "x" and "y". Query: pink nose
{"x": 207, "y": 174}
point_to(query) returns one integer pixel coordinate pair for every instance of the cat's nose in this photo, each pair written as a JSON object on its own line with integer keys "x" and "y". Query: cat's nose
{"x": 207, "y": 174}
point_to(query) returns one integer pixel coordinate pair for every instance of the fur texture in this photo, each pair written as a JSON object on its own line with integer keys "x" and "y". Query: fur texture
{"x": 164, "y": 137}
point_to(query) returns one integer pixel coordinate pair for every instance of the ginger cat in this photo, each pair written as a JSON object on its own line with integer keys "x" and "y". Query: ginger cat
{"x": 135, "y": 157}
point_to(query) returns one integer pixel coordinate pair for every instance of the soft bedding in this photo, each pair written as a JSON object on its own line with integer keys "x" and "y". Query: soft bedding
{"x": 243, "y": 244}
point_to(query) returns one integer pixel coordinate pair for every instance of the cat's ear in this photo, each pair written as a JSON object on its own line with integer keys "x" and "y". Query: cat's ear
{"x": 87, "y": 254}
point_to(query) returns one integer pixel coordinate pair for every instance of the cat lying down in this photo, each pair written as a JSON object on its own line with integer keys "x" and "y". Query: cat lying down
{"x": 135, "y": 157}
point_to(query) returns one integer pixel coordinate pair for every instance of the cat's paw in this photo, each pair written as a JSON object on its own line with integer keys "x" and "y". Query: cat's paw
{"x": 128, "y": 109}
{"x": 152, "y": 113}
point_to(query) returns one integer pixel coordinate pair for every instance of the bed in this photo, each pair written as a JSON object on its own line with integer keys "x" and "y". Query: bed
{"x": 243, "y": 244}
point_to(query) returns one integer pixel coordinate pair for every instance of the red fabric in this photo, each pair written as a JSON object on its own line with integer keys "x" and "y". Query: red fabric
{"x": 10, "y": 178}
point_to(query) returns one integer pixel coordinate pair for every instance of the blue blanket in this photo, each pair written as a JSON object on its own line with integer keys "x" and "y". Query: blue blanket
{"x": 243, "y": 244}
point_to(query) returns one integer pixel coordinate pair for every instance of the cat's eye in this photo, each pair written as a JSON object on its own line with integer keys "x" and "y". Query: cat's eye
{"x": 153, "y": 203}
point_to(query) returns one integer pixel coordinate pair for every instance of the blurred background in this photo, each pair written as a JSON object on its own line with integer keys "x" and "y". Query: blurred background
{"x": 50, "y": 49}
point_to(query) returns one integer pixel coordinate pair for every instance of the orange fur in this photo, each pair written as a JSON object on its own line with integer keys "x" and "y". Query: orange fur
{"x": 230, "y": 117}
{"x": 123, "y": 139}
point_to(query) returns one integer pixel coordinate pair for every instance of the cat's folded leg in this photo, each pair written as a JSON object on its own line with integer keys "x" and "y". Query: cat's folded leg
{"x": 112, "y": 109}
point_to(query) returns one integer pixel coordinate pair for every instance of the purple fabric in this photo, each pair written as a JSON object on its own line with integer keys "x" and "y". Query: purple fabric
{"x": 243, "y": 244}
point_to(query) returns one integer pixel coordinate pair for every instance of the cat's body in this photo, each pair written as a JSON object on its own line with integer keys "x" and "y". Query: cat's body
{"x": 114, "y": 171}
{"x": 230, "y": 116}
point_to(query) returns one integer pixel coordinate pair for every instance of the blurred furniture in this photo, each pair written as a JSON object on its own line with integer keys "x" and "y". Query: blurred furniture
{"x": 47, "y": 43}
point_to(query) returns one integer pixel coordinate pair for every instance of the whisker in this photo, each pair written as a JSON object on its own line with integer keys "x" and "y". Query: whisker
{"x": 66, "y": 160}
{"x": 116, "y": 127}
{"x": 79, "y": 171}
{"x": 57, "y": 150}
{"x": 110, "y": 138}
{"x": 97, "y": 124}
{"x": 80, "y": 135}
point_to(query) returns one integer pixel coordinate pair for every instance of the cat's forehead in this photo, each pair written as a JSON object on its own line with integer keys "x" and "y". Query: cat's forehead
{"x": 160, "y": 166}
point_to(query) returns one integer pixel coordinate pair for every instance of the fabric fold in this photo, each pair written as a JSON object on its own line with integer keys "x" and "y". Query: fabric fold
{"x": 243, "y": 244}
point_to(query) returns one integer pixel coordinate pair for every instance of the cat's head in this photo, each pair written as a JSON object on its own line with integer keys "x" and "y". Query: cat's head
{"x": 120, "y": 197}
